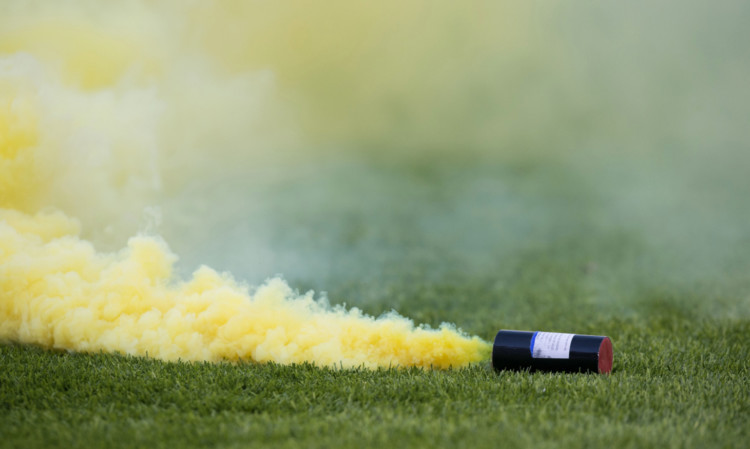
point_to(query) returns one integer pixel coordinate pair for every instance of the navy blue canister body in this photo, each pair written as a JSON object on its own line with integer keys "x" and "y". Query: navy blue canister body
{"x": 552, "y": 351}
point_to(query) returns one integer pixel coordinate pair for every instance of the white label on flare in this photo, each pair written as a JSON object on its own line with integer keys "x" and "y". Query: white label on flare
{"x": 551, "y": 345}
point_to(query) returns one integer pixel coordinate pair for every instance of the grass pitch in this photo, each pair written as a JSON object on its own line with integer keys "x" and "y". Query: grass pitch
{"x": 682, "y": 385}
{"x": 530, "y": 245}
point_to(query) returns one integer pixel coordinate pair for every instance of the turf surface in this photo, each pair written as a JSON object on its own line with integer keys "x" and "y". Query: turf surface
{"x": 676, "y": 386}
{"x": 520, "y": 245}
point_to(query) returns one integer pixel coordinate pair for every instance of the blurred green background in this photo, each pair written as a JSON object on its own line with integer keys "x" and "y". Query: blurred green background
{"x": 525, "y": 164}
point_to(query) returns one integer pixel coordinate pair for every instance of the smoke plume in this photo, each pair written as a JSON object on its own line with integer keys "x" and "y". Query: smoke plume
{"x": 214, "y": 127}
{"x": 104, "y": 113}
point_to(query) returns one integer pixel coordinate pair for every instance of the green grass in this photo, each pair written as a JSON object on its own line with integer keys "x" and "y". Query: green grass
{"x": 532, "y": 245}
{"x": 673, "y": 386}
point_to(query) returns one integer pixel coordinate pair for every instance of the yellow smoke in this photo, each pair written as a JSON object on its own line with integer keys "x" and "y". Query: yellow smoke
{"x": 57, "y": 291}
{"x": 103, "y": 112}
